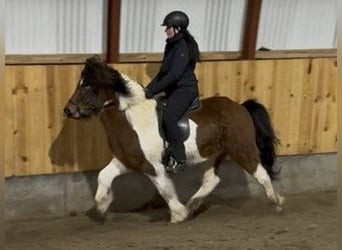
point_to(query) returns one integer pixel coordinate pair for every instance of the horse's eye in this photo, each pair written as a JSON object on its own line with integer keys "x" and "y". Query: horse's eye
{"x": 82, "y": 82}
{"x": 87, "y": 86}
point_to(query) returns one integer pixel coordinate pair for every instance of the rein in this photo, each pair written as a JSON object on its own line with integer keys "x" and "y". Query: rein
{"x": 107, "y": 104}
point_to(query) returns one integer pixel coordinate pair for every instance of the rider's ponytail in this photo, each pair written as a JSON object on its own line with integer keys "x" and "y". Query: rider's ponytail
{"x": 192, "y": 45}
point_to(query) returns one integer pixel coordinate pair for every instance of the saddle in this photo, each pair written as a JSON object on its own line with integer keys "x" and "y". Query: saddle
{"x": 183, "y": 122}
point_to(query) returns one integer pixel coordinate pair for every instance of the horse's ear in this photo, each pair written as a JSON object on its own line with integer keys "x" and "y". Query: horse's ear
{"x": 95, "y": 60}
{"x": 98, "y": 59}
{"x": 94, "y": 66}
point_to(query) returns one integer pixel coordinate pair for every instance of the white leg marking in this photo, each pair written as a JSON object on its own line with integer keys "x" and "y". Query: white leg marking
{"x": 264, "y": 179}
{"x": 104, "y": 194}
{"x": 167, "y": 190}
{"x": 209, "y": 182}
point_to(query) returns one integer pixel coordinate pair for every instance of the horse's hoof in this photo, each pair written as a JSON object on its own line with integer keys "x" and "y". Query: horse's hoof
{"x": 179, "y": 216}
{"x": 194, "y": 204}
{"x": 281, "y": 200}
{"x": 96, "y": 216}
{"x": 279, "y": 209}
{"x": 280, "y": 203}
{"x": 197, "y": 208}
{"x": 177, "y": 221}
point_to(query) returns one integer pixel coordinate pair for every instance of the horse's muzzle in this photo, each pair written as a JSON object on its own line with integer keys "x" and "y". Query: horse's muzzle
{"x": 67, "y": 112}
{"x": 71, "y": 112}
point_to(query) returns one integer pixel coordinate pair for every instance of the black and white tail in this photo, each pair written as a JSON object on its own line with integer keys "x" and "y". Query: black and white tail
{"x": 266, "y": 139}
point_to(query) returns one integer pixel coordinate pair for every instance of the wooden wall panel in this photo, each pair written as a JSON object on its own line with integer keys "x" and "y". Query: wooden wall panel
{"x": 300, "y": 95}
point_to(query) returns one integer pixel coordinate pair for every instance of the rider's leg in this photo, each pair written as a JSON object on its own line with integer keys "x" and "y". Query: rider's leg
{"x": 174, "y": 136}
{"x": 176, "y": 106}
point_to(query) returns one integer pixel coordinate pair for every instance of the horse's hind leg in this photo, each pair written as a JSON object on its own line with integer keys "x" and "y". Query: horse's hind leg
{"x": 209, "y": 182}
{"x": 264, "y": 179}
{"x": 104, "y": 194}
{"x": 167, "y": 190}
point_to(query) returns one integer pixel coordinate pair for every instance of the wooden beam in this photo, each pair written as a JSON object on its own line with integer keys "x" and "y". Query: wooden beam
{"x": 48, "y": 59}
{"x": 299, "y": 53}
{"x": 251, "y": 29}
{"x": 113, "y": 31}
{"x": 45, "y": 59}
{"x": 157, "y": 57}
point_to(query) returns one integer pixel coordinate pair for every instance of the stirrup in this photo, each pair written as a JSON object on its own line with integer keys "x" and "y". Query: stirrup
{"x": 175, "y": 167}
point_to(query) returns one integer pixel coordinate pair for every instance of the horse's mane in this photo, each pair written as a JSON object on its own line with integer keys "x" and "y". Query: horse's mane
{"x": 99, "y": 73}
{"x": 102, "y": 75}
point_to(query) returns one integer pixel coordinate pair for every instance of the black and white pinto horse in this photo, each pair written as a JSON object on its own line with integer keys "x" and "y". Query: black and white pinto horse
{"x": 220, "y": 128}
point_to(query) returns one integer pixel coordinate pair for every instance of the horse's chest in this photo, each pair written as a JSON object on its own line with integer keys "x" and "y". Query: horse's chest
{"x": 145, "y": 125}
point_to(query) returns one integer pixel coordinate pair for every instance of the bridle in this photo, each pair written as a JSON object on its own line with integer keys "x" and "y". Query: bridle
{"x": 90, "y": 100}
{"x": 108, "y": 103}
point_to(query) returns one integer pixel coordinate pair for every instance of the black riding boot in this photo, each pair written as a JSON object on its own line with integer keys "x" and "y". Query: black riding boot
{"x": 166, "y": 156}
{"x": 173, "y": 157}
{"x": 177, "y": 105}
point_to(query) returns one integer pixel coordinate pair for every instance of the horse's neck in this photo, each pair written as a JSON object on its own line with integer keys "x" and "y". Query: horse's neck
{"x": 142, "y": 114}
{"x": 114, "y": 122}
{"x": 134, "y": 111}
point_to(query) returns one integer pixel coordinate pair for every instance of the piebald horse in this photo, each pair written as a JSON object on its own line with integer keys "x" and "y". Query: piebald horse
{"x": 220, "y": 128}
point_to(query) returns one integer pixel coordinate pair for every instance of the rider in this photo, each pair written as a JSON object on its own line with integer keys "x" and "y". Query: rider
{"x": 176, "y": 78}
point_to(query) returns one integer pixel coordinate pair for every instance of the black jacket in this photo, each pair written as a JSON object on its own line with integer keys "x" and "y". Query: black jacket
{"x": 176, "y": 71}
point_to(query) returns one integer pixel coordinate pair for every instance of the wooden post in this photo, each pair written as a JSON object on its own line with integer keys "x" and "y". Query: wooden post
{"x": 113, "y": 31}
{"x": 251, "y": 29}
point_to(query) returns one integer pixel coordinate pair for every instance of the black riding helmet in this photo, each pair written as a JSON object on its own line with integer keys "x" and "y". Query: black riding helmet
{"x": 176, "y": 19}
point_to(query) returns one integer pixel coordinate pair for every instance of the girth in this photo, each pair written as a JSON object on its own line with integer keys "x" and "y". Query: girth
{"x": 183, "y": 122}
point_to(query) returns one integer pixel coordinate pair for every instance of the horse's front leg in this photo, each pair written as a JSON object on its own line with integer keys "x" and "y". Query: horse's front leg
{"x": 167, "y": 190}
{"x": 104, "y": 193}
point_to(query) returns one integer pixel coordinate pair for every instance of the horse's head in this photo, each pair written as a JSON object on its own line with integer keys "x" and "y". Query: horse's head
{"x": 98, "y": 87}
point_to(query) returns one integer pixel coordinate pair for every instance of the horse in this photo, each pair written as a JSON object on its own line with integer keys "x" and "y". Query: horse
{"x": 219, "y": 129}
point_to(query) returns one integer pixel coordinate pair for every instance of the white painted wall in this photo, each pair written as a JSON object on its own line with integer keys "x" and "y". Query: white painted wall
{"x": 297, "y": 24}
{"x": 55, "y": 26}
{"x": 216, "y": 24}
{"x": 79, "y": 26}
